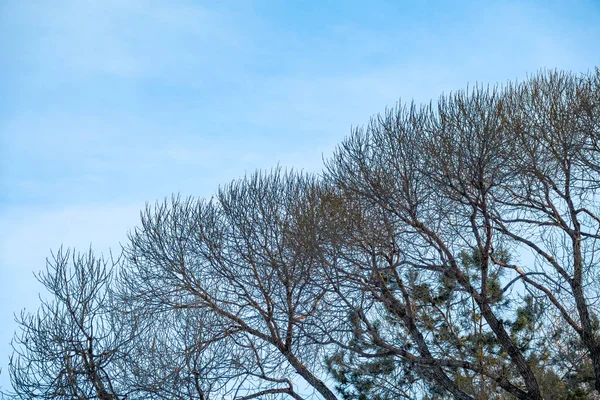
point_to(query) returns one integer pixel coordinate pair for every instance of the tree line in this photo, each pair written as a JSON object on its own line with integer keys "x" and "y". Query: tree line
{"x": 447, "y": 250}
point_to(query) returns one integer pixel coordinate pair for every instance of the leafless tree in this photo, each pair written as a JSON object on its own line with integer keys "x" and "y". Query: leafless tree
{"x": 550, "y": 207}
{"x": 245, "y": 261}
{"x": 483, "y": 173}
{"x": 67, "y": 349}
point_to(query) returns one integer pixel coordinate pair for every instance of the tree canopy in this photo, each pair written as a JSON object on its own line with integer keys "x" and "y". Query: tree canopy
{"x": 447, "y": 250}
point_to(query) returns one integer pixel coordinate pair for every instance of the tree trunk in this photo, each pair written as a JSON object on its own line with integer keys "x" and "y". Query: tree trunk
{"x": 315, "y": 382}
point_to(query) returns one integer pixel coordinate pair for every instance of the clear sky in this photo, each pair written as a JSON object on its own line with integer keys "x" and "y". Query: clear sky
{"x": 108, "y": 104}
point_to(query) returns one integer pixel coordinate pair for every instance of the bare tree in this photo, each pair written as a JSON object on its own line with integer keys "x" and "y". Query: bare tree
{"x": 480, "y": 173}
{"x": 245, "y": 261}
{"x": 423, "y": 232}
{"x": 67, "y": 350}
{"x": 551, "y": 205}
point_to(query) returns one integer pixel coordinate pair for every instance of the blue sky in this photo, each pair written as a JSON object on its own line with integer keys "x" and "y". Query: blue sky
{"x": 108, "y": 104}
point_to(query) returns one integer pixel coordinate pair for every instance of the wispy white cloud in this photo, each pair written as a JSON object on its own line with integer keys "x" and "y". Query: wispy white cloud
{"x": 127, "y": 39}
